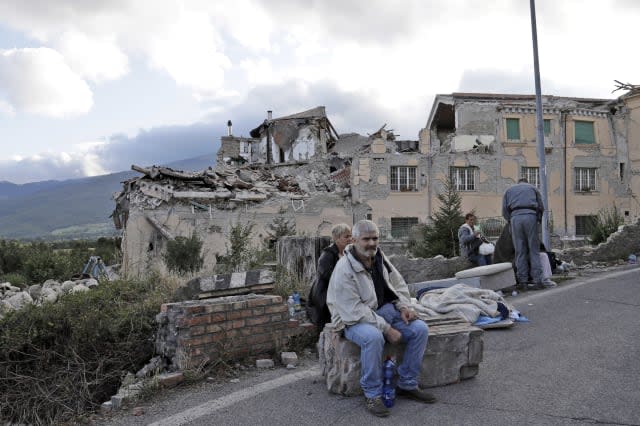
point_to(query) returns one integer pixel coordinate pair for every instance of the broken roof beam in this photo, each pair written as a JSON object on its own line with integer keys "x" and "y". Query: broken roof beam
{"x": 203, "y": 194}
{"x": 143, "y": 170}
{"x": 161, "y": 229}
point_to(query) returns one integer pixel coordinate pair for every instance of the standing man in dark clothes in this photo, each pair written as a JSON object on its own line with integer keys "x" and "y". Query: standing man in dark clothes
{"x": 522, "y": 207}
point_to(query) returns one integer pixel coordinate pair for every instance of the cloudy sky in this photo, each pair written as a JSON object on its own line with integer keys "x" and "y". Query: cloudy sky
{"x": 89, "y": 87}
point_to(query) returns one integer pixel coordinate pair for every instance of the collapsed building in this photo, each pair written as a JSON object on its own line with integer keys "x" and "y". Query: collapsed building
{"x": 486, "y": 142}
{"x": 299, "y": 168}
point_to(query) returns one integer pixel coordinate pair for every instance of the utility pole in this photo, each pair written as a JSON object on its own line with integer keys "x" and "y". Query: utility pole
{"x": 540, "y": 129}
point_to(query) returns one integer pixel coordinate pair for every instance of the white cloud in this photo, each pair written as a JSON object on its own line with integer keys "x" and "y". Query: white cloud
{"x": 96, "y": 59}
{"x": 6, "y": 109}
{"x": 188, "y": 52}
{"x": 38, "y": 81}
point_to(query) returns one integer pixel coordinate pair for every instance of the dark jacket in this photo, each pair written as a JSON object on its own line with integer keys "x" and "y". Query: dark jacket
{"x": 317, "y": 309}
{"x": 505, "y": 252}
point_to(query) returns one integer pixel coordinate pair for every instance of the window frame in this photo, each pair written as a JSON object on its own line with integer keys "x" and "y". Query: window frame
{"x": 582, "y": 228}
{"x": 546, "y": 127}
{"x": 583, "y": 141}
{"x": 469, "y": 175}
{"x": 583, "y": 177}
{"x": 403, "y": 178}
{"x": 402, "y": 226}
{"x": 525, "y": 172}
{"x": 517, "y": 121}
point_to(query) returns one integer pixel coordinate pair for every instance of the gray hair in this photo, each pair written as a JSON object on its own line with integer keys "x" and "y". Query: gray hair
{"x": 364, "y": 227}
{"x": 339, "y": 230}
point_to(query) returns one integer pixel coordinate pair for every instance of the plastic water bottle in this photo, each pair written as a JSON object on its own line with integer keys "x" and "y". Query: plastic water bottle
{"x": 296, "y": 301}
{"x": 388, "y": 387}
{"x": 292, "y": 307}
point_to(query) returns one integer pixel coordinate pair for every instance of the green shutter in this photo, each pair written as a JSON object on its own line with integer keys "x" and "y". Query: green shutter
{"x": 584, "y": 132}
{"x": 547, "y": 127}
{"x": 513, "y": 128}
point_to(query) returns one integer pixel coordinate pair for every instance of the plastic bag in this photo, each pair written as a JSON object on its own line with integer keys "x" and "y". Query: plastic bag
{"x": 486, "y": 248}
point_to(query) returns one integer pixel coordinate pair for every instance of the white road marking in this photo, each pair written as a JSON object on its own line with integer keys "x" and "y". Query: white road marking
{"x": 213, "y": 405}
{"x": 552, "y": 291}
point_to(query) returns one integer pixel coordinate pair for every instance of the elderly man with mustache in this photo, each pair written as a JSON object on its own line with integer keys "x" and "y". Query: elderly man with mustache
{"x": 369, "y": 300}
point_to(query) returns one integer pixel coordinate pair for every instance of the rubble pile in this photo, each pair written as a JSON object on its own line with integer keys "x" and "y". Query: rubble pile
{"x": 14, "y": 298}
{"x": 226, "y": 186}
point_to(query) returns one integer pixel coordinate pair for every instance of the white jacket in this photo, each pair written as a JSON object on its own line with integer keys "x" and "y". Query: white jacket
{"x": 351, "y": 296}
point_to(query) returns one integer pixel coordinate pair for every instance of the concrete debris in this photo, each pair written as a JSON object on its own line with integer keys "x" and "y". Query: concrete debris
{"x": 13, "y": 298}
{"x": 265, "y": 363}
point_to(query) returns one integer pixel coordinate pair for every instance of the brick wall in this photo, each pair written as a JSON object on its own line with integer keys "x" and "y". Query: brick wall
{"x": 198, "y": 331}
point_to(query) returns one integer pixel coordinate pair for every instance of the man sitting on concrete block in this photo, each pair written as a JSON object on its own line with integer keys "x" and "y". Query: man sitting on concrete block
{"x": 369, "y": 299}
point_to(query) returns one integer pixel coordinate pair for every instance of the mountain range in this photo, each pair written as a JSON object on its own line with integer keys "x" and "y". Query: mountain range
{"x": 74, "y": 208}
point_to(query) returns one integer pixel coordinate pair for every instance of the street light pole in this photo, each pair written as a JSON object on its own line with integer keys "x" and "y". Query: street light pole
{"x": 540, "y": 129}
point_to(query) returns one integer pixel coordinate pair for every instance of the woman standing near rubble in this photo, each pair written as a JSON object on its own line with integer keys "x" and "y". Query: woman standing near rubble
{"x": 470, "y": 239}
{"x": 317, "y": 299}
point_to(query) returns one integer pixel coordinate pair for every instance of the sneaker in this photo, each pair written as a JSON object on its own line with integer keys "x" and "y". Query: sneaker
{"x": 417, "y": 394}
{"x": 549, "y": 284}
{"x": 376, "y": 407}
{"x": 521, "y": 287}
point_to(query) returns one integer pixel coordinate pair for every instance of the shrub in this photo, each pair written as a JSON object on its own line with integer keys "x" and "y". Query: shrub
{"x": 441, "y": 236}
{"x": 240, "y": 252}
{"x": 42, "y": 263}
{"x": 15, "y": 279}
{"x": 286, "y": 283}
{"x": 184, "y": 255}
{"x": 605, "y": 223}
{"x": 59, "y": 360}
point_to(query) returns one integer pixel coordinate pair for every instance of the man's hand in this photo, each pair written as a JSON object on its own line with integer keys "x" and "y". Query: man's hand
{"x": 393, "y": 336}
{"x": 408, "y": 314}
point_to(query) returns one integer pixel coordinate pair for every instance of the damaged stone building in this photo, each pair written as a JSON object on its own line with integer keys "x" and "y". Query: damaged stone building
{"x": 486, "y": 142}
{"x": 298, "y": 167}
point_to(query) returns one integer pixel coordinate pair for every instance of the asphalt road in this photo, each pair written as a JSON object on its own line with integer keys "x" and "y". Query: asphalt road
{"x": 576, "y": 362}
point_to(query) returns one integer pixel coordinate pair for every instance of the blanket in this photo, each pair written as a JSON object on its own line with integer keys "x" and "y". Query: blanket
{"x": 461, "y": 299}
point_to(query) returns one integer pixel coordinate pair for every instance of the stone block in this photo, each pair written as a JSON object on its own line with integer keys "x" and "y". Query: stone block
{"x": 289, "y": 358}
{"x": 453, "y": 354}
{"x": 106, "y": 407}
{"x": 265, "y": 363}
{"x": 169, "y": 380}
{"x": 117, "y": 401}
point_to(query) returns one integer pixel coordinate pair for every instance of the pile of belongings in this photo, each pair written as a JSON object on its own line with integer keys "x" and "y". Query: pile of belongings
{"x": 480, "y": 307}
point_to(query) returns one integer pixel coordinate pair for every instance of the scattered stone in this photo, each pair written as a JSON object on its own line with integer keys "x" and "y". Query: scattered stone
{"x": 48, "y": 295}
{"x": 265, "y": 363}
{"x": 35, "y": 291}
{"x": 106, "y": 407}
{"x": 67, "y": 286}
{"x": 20, "y": 300}
{"x": 137, "y": 411}
{"x": 79, "y": 289}
{"x": 169, "y": 380}
{"x": 50, "y": 283}
{"x": 117, "y": 400}
{"x": 290, "y": 366}
{"x": 155, "y": 364}
{"x": 289, "y": 358}
{"x": 234, "y": 380}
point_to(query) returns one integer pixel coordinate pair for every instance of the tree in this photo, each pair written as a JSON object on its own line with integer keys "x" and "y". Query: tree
{"x": 281, "y": 226}
{"x": 183, "y": 255}
{"x": 441, "y": 235}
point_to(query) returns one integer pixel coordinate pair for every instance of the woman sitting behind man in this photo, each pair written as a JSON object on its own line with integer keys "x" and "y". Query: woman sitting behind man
{"x": 470, "y": 240}
{"x": 317, "y": 300}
